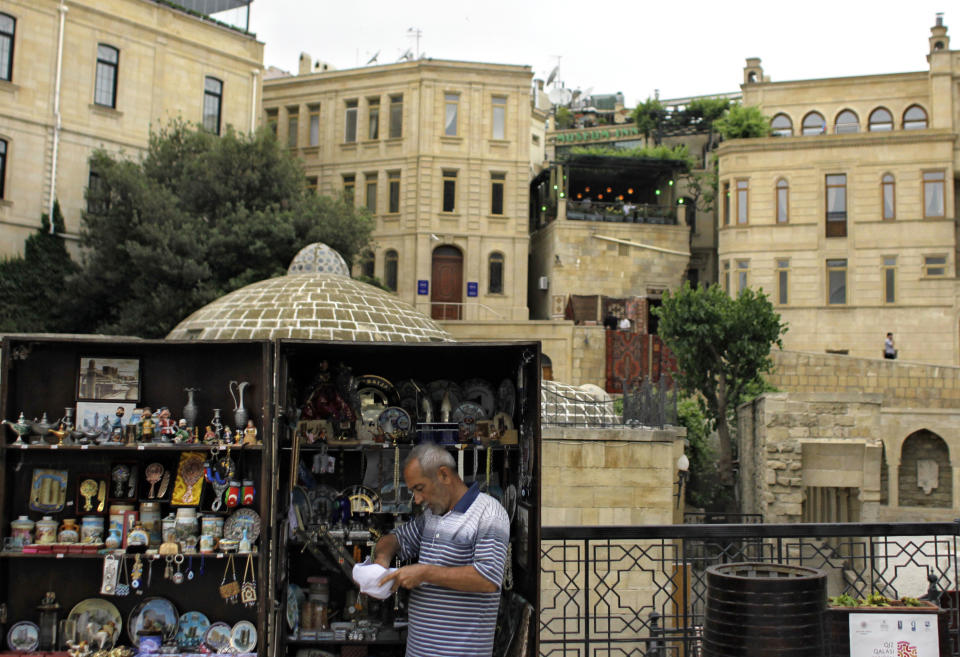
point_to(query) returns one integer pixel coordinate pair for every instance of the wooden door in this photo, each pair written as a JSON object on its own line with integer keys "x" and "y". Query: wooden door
{"x": 446, "y": 297}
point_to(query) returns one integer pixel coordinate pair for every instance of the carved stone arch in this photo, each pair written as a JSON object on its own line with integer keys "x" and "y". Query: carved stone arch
{"x": 925, "y": 476}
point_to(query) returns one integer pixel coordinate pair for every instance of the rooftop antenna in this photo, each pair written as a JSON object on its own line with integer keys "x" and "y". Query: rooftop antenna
{"x": 416, "y": 33}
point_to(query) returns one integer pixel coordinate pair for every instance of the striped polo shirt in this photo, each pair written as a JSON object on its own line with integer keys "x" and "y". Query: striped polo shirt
{"x": 444, "y": 622}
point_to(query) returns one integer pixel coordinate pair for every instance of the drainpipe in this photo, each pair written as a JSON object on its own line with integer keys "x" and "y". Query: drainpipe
{"x": 56, "y": 114}
{"x": 253, "y": 96}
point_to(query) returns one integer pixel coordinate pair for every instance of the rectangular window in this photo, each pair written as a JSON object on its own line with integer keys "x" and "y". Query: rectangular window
{"x": 391, "y": 262}
{"x": 888, "y": 187}
{"x": 743, "y": 193}
{"x": 743, "y": 275}
{"x": 933, "y": 189}
{"x": 212, "y": 103}
{"x": 393, "y": 184}
{"x": 889, "y": 279}
{"x": 449, "y": 190}
{"x": 497, "y": 181}
{"x": 499, "y": 117}
{"x": 726, "y": 276}
{"x": 373, "y": 118}
{"x": 726, "y": 204}
{"x": 451, "y": 110}
{"x": 95, "y": 203}
{"x": 783, "y": 201}
{"x": 314, "y": 125}
{"x": 396, "y": 116}
{"x": 495, "y": 284}
{"x": 312, "y": 184}
{"x": 934, "y": 266}
{"x": 783, "y": 281}
{"x": 293, "y": 126}
{"x": 350, "y": 122}
{"x": 349, "y": 184}
{"x": 105, "y": 87}
{"x": 3, "y": 168}
{"x": 371, "y": 192}
{"x": 836, "y": 282}
{"x": 272, "y": 120}
{"x": 8, "y": 26}
{"x": 837, "y": 205}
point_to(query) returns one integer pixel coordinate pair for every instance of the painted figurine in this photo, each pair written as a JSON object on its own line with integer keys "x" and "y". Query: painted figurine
{"x": 166, "y": 425}
{"x": 210, "y": 436}
{"x": 116, "y": 425}
{"x": 250, "y": 434}
{"x": 147, "y": 426}
{"x": 183, "y": 434}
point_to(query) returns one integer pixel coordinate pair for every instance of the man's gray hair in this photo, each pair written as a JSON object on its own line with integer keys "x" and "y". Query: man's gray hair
{"x": 431, "y": 457}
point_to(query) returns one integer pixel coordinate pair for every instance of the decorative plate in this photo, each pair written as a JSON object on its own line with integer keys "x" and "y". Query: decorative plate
{"x": 323, "y": 503}
{"x": 48, "y": 491}
{"x": 217, "y": 638}
{"x": 23, "y": 637}
{"x": 412, "y": 396}
{"x": 294, "y": 596}
{"x": 238, "y": 521}
{"x": 192, "y": 628}
{"x": 440, "y": 389}
{"x": 93, "y": 615}
{"x": 301, "y": 502}
{"x": 506, "y": 397}
{"x": 480, "y": 392}
{"x": 501, "y": 423}
{"x": 362, "y": 499}
{"x": 466, "y": 415}
{"x": 243, "y": 636}
{"x": 510, "y": 501}
{"x": 153, "y": 615}
{"x": 395, "y": 424}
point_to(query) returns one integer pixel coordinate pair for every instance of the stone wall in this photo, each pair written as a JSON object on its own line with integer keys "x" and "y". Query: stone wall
{"x": 901, "y": 384}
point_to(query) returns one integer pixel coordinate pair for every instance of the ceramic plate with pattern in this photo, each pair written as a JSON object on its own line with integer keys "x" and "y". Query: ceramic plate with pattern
{"x": 153, "y": 615}
{"x": 23, "y": 637}
{"x": 238, "y": 521}
{"x": 217, "y": 638}
{"x": 243, "y": 636}
{"x": 192, "y": 628}
{"x": 395, "y": 424}
{"x": 93, "y": 615}
{"x": 466, "y": 415}
{"x": 480, "y": 392}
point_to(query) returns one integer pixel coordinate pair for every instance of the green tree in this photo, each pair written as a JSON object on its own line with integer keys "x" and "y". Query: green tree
{"x": 742, "y": 122}
{"x": 197, "y": 217}
{"x": 564, "y": 118}
{"x": 722, "y": 347}
{"x": 32, "y": 285}
{"x": 649, "y": 116}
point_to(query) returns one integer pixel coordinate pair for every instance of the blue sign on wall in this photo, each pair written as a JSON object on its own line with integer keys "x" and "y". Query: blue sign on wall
{"x": 472, "y": 289}
{"x": 423, "y": 287}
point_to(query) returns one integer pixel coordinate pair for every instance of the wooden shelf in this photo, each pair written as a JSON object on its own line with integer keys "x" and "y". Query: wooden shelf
{"x": 143, "y": 447}
{"x": 101, "y": 555}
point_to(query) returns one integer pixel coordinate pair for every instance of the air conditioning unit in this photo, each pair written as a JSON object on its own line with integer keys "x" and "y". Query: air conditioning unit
{"x": 544, "y": 283}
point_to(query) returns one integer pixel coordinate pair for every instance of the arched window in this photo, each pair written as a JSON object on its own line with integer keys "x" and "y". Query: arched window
{"x": 847, "y": 122}
{"x": 889, "y": 196}
{"x": 814, "y": 124}
{"x": 783, "y": 201}
{"x": 915, "y": 118}
{"x": 8, "y": 27}
{"x": 781, "y": 126}
{"x": 105, "y": 86}
{"x": 925, "y": 476}
{"x": 495, "y": 270}
{"x": 881, "y": 120}
{"x": 390, "y": 261}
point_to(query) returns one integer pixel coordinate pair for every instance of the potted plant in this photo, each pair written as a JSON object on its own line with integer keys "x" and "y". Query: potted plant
{"x": 841, "y": 606}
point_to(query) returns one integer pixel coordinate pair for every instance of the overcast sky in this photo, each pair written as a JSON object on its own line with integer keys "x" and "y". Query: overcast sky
{"x": 681, "y": 47}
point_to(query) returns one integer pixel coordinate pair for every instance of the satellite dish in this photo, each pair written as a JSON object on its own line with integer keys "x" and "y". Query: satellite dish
{"x": 565, "y": 96}
{"x": 556, "y": 95}
{"x": 373, "y": 60}
{"x": 553, "y": 74}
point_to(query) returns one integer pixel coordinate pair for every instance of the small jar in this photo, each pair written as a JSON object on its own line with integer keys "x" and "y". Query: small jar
{"x": 22, "y": 530}
{"x": 114, "y": 539}
{"x": 207, "y": 544}
{"x": 46, "y": 530}
{"x": 168, "y": 529}
{"x": 187, "y": 524}
{"x": 91, "y": 529}
{"x": 116, "y": 515}
{"x": 212, "y": 526}
{"x": 150, "y": 519}
{"x": 69, "y": 532}
{"x": 138, "y": 536}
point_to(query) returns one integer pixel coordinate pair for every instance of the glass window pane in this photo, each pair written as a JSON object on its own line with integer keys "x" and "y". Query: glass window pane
{"x": 390, "y": 270}
{"x": 888, "y": 212}
{"x": 496, "y": 274}
{"x": 782, "y": 286}
{"x": 814, "y": 124}
{"x": 889, "y": 285}
{"x": 372, "y": 197}
{"x": 394, "y": 193}
{"x": 847, "y": 122}
{"x": 838, "y": 286}
{"x": 293, "y": 127}
{"x": 836, "y": 199}
{"x": 499, "y": 118}
{"x": 6, "y": 57}
{"x": 781, "y": 126}
{"x": 396, "y": 117}
{"x": 915, "y": 118}
{"x": 350, "y": 130}
{"x": 881, "y": 120}
{"x": 314, "y": 129}
{"x": 373, "y": 122}
{"x": 933, "y": 199}
{"x": 782, "y": 204}
{"x": 450, "y": 118}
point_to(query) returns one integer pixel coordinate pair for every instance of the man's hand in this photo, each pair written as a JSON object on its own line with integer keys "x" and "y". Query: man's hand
{"x": 409, "y": 577}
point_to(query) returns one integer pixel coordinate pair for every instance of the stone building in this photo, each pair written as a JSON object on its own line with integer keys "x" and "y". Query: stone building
{"x": 77, "y": 75}
{"x": 440, "y": 153}
{"x": 846, "y": 215}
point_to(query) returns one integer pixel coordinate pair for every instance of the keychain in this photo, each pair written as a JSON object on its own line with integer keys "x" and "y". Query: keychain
{"x": 190, "y": 569}
{"x": 178, "y": 576}
{"x": 168, "y": 569}
{"x": 111, "y": 570}
{"x": 123, "y": 588}
{"x": 136, "y": 575}
{"x": 248, "y": 592}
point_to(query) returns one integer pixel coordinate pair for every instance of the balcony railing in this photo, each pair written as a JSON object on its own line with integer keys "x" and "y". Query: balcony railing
{"x": 641, "y": 591}
{"x": 640, "y": 213}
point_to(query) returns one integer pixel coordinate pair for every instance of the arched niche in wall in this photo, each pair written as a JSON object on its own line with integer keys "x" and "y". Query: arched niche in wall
{"x": 925, "y": 477}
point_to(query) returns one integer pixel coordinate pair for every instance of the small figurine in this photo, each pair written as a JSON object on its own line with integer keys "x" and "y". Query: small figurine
{"x": 183, "y": 434}
{"x": 147, "y": 426}
{"x": 227, "y": 436}
{"x": 166, "y": 425}
{"x": 116, "y": 426}
{"x": 250, "y": 434}
{"x": 210, "y": 437}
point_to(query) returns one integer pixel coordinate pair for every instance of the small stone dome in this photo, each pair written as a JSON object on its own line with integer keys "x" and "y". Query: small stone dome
{"x": 318, "y": 258}
{"x": 318, "y": 302}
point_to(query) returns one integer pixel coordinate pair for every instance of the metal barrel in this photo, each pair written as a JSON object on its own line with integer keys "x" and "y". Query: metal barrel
{"x": 764, "y": 610}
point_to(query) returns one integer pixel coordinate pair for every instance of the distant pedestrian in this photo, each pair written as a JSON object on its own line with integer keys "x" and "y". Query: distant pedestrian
{"x": 610, "y": 322}
{"x": 889, "y": 351}
{"x": 625, "y": 324}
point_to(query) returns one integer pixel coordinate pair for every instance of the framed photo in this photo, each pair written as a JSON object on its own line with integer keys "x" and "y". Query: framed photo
{"x": 113, "y": 379}
{"x": 92, "y": 415}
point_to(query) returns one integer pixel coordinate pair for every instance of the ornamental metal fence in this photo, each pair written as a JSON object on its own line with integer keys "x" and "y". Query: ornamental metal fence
{"x": 641, "y": 591}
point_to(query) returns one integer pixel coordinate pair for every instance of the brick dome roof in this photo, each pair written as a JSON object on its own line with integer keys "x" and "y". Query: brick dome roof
{"x": 318, "y": 305}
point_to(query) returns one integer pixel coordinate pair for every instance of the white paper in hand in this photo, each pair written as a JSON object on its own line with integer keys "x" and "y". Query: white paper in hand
{"x": 368, "y": 575}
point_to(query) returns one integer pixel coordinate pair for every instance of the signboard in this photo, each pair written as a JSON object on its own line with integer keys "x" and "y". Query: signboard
{"x": 423, "y": 287}
{"x": 894, "y": 635}
{"x": 472, "y": 289}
